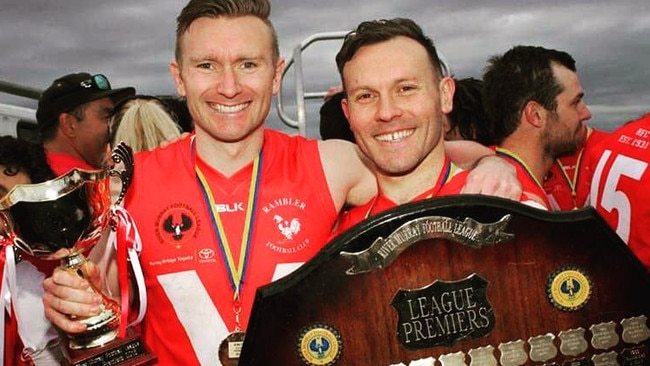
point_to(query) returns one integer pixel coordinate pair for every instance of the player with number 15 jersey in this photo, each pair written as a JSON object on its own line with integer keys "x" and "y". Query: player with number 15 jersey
{"x": 617, "y": 168}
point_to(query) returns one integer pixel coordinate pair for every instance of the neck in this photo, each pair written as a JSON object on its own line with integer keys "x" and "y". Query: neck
{"x": 403, "y": 188}
{"x": 62, "y": 146}
{"x": 532, "y": 154}
{"x": 228, "y": 157}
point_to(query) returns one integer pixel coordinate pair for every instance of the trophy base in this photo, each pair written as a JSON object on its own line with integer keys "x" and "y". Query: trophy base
{"x": 129, "y": 351}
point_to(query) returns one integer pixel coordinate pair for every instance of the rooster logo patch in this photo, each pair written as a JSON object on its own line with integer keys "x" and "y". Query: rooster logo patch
{"x": 286, "y": 227}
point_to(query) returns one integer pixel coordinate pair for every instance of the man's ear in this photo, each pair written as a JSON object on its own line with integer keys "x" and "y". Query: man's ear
{"x": 534, "y": 114}
{"x": 447, "y": 89}
{"x": 345, "y": 107}
{"x": 67, "y": 124}
{"x": 277, "y": 76}
{"x": 175, "y": 71}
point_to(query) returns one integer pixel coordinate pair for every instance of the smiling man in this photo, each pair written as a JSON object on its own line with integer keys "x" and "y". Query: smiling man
{"x": 231, "y": 207}
{"x": 395, "y": 99}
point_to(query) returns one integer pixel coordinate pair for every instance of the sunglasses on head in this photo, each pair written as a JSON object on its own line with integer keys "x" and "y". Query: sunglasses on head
{"x": 97, "y": 81}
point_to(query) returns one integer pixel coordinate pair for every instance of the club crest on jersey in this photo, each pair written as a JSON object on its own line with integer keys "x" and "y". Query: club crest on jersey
{"x": 286, "y": 227}
{"x": 176, "y": 224}
{"x": 286, "y": 234}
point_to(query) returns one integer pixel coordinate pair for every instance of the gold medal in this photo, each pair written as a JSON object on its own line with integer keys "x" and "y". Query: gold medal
{"x": 230, "y": 349}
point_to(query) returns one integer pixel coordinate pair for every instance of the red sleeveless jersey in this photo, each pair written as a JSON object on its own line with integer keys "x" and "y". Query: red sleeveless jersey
{"x": 618, "y": 176}
{"x": 451, "y": 180}
{"x": 190, "y": 296}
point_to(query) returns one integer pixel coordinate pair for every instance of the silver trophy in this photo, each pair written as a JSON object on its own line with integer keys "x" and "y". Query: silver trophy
{"x": 62, "y": 219}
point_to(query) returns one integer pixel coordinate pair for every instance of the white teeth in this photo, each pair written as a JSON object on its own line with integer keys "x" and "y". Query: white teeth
{"x": 394, "y": 136}
{"x": 229, "y": 108}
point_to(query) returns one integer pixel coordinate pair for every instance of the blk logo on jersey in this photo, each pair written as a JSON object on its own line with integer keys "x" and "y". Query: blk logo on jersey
{"x": 225, "y": 207}
{"x": 176, "y": 225}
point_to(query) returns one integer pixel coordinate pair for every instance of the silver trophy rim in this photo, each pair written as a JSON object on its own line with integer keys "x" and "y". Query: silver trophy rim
{"x": 53, "y": 189}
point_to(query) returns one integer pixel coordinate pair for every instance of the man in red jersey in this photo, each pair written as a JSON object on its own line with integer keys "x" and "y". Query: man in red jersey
{"x": 618, "y": 176}
{"x": 233, "y": 206}
{"x": 534, "y": 101}
{"x": 395, "y": 99}
{"x": 73, "y": 116}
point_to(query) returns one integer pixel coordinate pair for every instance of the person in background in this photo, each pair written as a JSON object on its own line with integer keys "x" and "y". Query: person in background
{"x": 242, "y": 205}
{"x": 143, "y": 122}
{"x": 534, "y": 101}
{"x": 617, "y": 178}
{"x": 72, "y": 116}
{"x": 29, "y": 338}
{"x": 333, "y": 123}
{"x": 467, "y": 120}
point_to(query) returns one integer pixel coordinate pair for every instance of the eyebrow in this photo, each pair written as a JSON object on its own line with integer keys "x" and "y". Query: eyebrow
{"x": 579, "y": 97}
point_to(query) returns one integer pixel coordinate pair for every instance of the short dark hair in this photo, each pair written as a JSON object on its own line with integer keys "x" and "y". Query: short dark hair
{"x": 333, "y": 123}
{"x": 377, "y": 31}
{"x": 468, "y": 115}
{"x": 19, "y": 155}
{"x": 196, "y": 9}
{"x": 522, "y": 74}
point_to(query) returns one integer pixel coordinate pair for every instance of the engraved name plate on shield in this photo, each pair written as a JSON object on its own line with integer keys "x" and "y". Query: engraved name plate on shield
{"x": 604, "y": 335}
{"x": 605, "y": 359}
{"x": 573, "y": 342}
{"x": 482, "y": 356}
{"x": 513, "y": 353}
{"x": 453, "y": 359}
{"x": 635, "y": 329}
{"x": 542, "y": 348}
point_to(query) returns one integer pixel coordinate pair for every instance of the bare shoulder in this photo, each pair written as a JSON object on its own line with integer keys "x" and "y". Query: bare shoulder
{"x": 348, "y": 175}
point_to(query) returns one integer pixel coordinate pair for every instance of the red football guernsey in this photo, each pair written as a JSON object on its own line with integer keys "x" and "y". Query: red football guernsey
{"x": 619, "y": 179}
{"x": 62, "y": 163}
{"x": 191, "y": 308}
{"x": 533, "y": 192}
{"x": 451, "y": 180}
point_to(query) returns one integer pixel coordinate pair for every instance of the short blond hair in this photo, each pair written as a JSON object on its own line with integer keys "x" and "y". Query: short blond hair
{"x": 143, "y": 124}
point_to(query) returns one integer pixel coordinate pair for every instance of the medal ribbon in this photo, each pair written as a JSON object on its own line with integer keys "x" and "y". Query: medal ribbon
{"x": 236, "y": 272}
{"x": 572, "y": 182}
{"x": 513, "y": 156}
{"x": 447, "y": 172}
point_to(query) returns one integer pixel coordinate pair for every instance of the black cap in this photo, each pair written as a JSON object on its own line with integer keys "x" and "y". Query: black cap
{"x": 71, "y": 91}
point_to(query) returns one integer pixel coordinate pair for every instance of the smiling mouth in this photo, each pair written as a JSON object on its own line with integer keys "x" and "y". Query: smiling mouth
{"x": 229, "y": 108}
{"x": 395, "y": 136}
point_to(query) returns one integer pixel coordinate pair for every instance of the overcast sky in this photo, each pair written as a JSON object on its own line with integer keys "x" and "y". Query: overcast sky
{"x": 132, "y": 41}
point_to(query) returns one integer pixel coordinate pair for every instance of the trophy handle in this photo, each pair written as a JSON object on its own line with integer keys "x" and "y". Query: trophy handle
{"x": 122, "y": 153}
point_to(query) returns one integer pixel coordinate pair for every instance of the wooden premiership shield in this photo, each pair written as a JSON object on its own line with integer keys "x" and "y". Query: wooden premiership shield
{"x": 464, "y": 280}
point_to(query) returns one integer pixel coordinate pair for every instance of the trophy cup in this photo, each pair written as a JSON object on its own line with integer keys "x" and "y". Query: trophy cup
{"x": 62, "y": 219}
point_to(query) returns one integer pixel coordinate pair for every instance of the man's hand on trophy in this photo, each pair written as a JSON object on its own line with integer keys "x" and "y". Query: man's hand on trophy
{"x": 67, "y": 295}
